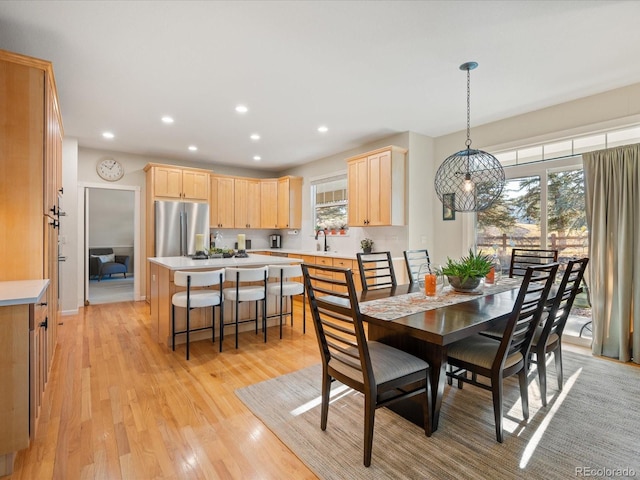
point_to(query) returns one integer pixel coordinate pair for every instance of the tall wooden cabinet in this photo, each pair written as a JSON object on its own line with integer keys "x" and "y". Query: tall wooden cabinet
{"x": 376, "y": 188}
{"x": 30, "y": 183}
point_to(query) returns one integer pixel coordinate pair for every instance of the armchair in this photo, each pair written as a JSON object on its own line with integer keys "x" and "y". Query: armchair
{"x": 102, "y": 261}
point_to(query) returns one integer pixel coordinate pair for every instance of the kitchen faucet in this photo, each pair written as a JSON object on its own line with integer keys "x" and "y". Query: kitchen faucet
{"x": 326, "y": 247}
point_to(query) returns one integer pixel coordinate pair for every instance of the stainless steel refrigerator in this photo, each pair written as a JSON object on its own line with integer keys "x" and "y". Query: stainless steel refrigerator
{"x": 177, "y": 224}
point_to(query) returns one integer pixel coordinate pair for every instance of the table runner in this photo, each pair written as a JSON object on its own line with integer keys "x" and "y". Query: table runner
{"x": 391, "y": 308}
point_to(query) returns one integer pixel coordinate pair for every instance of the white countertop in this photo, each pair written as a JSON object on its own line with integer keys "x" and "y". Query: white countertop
{"x": 253, "y": 260}
{"x": 313, "y": 253}
{"x": 20, "y": 292}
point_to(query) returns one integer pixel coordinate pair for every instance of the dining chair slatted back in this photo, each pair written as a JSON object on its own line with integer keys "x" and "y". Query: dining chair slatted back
{"x": 522, "y": 258}
{"x": 548, "y": 337}
{"x": 414, "y": 259}
{"x": 496, "y": 359}
{"x": 376, "y": 270}
{"x": 383, "y": 374}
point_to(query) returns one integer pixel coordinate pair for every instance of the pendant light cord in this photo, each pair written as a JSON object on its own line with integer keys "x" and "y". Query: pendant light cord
{"x": 468, "y": 142}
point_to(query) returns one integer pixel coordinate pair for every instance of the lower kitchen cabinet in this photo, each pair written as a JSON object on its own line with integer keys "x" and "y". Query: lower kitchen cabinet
{"x": 23, "y": 364}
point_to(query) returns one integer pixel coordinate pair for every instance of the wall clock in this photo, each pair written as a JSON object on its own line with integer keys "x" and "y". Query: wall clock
{"x": 110, "y": 169}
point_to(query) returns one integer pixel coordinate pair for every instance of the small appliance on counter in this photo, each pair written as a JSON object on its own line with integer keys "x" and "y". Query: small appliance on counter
{"x": 275, "y": 241}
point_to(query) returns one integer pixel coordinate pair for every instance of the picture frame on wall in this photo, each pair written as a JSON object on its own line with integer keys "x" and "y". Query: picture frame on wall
{"x": 448, "y": 200}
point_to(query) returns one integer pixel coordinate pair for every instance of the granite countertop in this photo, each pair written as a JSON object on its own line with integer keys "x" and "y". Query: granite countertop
{"x": 21, "y": 292}
{"x": 253, "y": 260}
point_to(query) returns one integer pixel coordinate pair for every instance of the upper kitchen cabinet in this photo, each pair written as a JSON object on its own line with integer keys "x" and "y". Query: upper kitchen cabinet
{"x": 269, "y": 203}
{"x": 289, "y": 202}
{"x": 246, "y": 203}
{"x": 170, "y": 182}
{"x": 376, "y": 187}
{"x": 281, "y": 202}
{"x": 221, "y": 208}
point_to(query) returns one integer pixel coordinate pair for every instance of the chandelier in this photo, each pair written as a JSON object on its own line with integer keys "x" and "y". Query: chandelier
{"x": 469, "y": 180}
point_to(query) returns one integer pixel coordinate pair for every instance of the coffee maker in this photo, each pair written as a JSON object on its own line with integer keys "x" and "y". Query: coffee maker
{"x": 275, "y": 241}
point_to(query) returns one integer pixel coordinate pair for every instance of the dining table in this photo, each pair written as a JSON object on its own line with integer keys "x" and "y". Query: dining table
{"x": 405, "y": 318}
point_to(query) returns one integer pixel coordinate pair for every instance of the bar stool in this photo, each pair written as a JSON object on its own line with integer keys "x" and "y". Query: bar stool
{"x": 246, "y": 293}
{"x": 191, "y": 299}
{"x": 285, "y": 288}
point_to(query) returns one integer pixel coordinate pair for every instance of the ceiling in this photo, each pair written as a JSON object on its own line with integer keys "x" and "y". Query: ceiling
{"x": 364, "y": 69}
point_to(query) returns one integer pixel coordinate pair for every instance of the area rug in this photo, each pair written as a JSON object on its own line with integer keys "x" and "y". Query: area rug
{"x": 591, "y": 428}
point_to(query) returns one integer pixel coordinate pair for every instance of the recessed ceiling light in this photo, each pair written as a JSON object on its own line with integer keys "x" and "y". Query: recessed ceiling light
{"x": 323, "y": 129}
{"x": 167, "y": 119}
{"x": 257, "y": 158}
{"x": 108, "y": 135}
{"x": 255, "y": 136}
{"x": 193, "y": 148}
{"x": 242, "y": 109}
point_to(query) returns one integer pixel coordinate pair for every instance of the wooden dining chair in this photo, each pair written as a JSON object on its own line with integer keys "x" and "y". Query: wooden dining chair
{"x": 383, "y": 374}
{"x": 548, "y": 337}
{"x": 414, "y": 259}
{"x": 376, "y": 270}
{"x": 496, "y": 360}
{"x": 522, "y": 258}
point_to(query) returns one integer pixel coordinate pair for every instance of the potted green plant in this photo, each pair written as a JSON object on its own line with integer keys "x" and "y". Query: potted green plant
{"x": 366, "y": 244}
{"x": 465, "y": 274}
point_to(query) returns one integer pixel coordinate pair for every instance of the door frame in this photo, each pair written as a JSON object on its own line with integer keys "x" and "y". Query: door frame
{"x": 83, "y": 251}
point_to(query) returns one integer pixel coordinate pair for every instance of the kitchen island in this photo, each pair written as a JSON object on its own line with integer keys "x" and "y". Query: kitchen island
{"x": 162, "y": 270}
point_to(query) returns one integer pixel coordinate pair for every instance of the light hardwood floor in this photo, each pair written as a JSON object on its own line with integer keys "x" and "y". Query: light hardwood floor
{"x": 118, "y": 405}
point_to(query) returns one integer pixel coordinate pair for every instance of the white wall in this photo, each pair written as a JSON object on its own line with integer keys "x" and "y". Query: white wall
{"x": 425, "y": 227}
{"x": 616, "y": 108}
{"x": 79, "y": 167}
{"x": 69, "y": 228}
{"x": 393, "y": 239}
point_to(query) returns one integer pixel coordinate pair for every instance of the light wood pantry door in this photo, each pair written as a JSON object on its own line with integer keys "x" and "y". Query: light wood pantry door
{"x": 247, "y": 203}
{"x": 269, "y": 203}
{"x": 221, "y": 207}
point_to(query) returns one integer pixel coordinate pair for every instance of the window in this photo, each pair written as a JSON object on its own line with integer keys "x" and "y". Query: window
{"x": 565, "y": 148}
{"x": 329, "y": 201}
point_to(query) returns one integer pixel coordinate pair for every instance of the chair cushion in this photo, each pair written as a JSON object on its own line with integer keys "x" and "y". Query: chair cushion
{"x": 481, "y": 351}
{"x": 288, "y": 288}
{"x": 245, "y": 294}
{"x": 106, "y": 258}
{"x": 536, "y": 337}
{"x": 388, "y": 363}
{"x": 199, "y": 298}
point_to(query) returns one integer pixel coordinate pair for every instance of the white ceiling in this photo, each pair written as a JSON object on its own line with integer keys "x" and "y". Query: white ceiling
{"x": 366, "y": 69}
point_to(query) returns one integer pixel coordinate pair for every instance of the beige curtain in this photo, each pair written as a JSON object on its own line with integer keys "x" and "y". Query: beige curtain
{"x": 612, "y": 195}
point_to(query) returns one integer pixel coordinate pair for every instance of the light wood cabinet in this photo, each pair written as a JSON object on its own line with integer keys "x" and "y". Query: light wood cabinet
{"x": 269, "y": 203}
{"x": 172, "y": 183}
{"x": 221, "y": 205}
{"x": 30, "y": 182}
{"x": 169, "y": 182}
{"x": 376, "y": 187}
{"x": 247, "y": 203}
{"x": 289, "y": 202}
